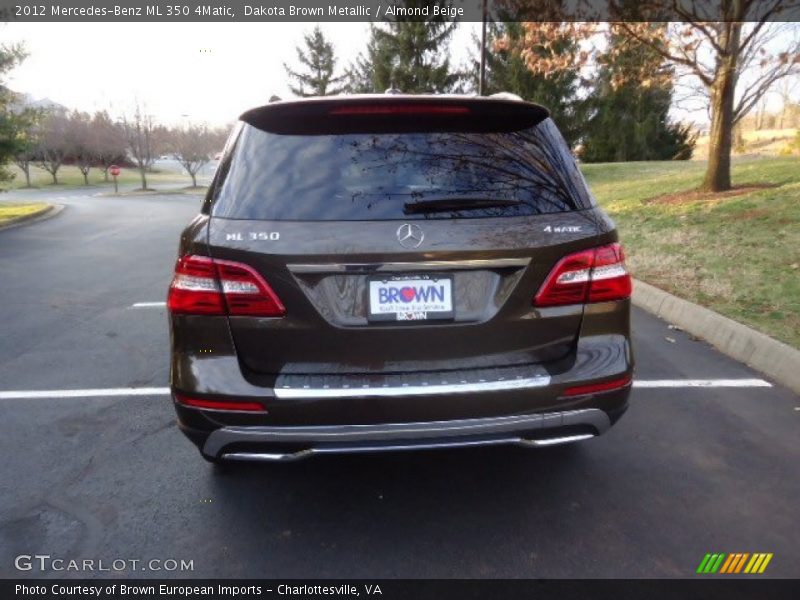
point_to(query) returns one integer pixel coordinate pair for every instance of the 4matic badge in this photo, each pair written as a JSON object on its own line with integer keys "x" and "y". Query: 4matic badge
{"x": 562, "y": 229}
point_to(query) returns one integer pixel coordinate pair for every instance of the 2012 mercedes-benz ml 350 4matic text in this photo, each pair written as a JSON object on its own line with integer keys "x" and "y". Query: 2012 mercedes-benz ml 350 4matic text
{"x": 397, "y": 272}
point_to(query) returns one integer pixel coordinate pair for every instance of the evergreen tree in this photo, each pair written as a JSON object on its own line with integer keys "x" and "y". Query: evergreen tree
{"x": 319, "y": 63}
{"x": 506, "y": 71}
{"x": 411, "y": 56}
{"x": 27, "y": 141}
{"x": 370, "y": 69}
{"x": 10, "y": 122}
{"x": 630, "y": 118}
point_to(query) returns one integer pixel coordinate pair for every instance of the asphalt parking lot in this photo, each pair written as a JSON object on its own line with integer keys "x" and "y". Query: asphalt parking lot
{"x": 689, "y": 470}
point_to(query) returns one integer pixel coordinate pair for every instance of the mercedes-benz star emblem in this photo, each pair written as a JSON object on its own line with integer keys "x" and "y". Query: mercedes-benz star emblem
{"x": 410, "y": 236}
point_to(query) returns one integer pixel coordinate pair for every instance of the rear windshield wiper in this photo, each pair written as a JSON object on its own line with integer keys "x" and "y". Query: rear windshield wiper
{"x": 456, "y": 203}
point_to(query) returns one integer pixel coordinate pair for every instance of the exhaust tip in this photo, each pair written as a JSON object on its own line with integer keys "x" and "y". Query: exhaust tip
{"x": 555, "y": 441}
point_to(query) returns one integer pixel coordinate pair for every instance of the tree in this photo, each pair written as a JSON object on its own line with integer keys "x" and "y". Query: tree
{"x": 27, "y": 141}
{"x": 787, "y": 90}
{"x": 53, "y": 143}
{"x": 194, "y": 146}
{"x": 10, "y": 122}
{"x": 413, "y": 55}
{"x": 318, "y": 62}
{"x": 366, "y": 74}
{"x": 82, "y": 143}
{"x": 735, "y": 48}
{"x": 715, "y": 53}
{"x": 630, "y": 119}
{"x": 506, "y": 71}
{"x": 139, "y": 132}
{"x": 110, "y": 140}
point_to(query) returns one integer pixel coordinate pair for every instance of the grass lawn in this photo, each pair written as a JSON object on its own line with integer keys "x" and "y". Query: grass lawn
{"x": 12, "y": 211}
{"x": 70, "y": 176}
{"x": 738, "y": 255}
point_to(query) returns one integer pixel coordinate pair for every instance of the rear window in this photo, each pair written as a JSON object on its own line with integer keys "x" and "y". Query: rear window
{"x": 383, "y": 175}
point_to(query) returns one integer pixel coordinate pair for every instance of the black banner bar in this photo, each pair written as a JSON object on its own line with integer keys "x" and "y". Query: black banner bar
{"x": 704, "y": 587}
{"x": 388, "y": 10}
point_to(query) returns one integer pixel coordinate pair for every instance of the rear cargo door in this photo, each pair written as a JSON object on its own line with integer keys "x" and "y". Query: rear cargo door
{"x": 403, "y": 240}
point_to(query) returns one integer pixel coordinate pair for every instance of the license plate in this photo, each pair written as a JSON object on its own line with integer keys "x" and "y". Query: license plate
{"x": 411, "y": 298}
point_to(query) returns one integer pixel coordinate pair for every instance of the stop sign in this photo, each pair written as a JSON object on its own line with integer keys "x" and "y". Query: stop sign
{"x": 114, "y": 170}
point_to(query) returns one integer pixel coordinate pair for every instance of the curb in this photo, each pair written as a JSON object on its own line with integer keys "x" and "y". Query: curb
{"x": 46, "y": 213}
{"x": 775, "y": 359}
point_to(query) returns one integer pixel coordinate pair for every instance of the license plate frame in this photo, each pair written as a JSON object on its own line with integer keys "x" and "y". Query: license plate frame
{"x": 414, "y": 314}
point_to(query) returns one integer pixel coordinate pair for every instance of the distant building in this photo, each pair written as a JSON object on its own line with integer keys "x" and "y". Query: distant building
{"x": 20, "y": 102}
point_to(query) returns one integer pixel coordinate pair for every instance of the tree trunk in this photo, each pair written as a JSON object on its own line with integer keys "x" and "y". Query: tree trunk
{"x": 55, "y": 179}
{"x": 718, "y": 170}
{"x": 738, "y": 138}
{"x": 27, "y": 170}
{"x": 86, "y": 178}
{"x": 194, "y": 179}
{"x": 144, "y": 177}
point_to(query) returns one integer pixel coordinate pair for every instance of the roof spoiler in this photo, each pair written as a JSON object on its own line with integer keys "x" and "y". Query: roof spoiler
{"x": 393, "y": 114}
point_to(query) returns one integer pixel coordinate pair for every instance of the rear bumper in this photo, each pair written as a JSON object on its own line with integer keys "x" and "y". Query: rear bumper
{"x": 306, "y": 415}
{"x": 273, "y": 444}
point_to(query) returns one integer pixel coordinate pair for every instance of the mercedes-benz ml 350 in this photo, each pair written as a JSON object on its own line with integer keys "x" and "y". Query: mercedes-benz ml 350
{"x": 393, "y": 272}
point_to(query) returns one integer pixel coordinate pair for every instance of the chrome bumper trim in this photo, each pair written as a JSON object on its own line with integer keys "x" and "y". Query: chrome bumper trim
{"x": 287, "y": 392}
{"x": 328, "y": 439}
{"x": 431, "y": 265}
{"x": 288, "y": 457}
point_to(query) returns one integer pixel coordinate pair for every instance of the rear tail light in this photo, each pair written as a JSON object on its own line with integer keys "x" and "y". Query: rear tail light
{"x": 231, "y": 405}
{"x": 594, "y": 275}
{"x": 593, "y": 388}
{"x": 400, "y": 109}
{"x": 205, "y": 286}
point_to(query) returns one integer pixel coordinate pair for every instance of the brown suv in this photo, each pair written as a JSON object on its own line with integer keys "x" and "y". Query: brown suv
{"x": 397, "y": 272}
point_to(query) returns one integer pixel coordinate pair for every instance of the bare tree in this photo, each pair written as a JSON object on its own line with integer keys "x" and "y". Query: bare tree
{"x": 110, "y": 140}
{"x": 194, "y": 146}
{"x": 82, "y": 143}
{"x": 719, "y": 54}
{"x": 139, "y": 132}
{"x": 787, "y": 90}
{"x": 161, "y": 141}
{"x": 53, "y": 147}
{"x": 746, "y": 39}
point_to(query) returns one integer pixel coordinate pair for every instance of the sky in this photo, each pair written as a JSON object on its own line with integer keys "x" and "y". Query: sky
{"x": 190, "y": 72}
{"x": 200, "y": 72}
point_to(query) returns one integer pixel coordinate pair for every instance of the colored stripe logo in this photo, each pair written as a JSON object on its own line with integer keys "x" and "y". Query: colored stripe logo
{"x": 737, "y": 562}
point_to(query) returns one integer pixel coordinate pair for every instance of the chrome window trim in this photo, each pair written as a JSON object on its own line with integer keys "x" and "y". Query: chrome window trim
{"x": 431, "y": 265}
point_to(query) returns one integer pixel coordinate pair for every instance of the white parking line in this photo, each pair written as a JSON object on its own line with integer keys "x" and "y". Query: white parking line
{"x": 163, "y": 391}
{"x": 148, "y": 305}
{"x": 675, "y": 383}
{"x": 143, "y": 391}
